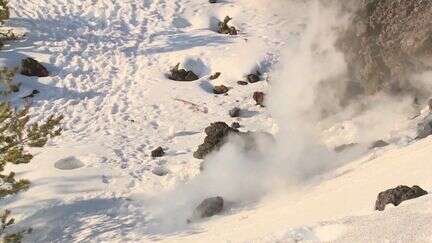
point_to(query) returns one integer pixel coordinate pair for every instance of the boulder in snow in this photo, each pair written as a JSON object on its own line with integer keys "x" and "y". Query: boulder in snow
{"x": 254, "y": 77}
{"x": 31, "y": 67}
{"x": 235, "y": 112}
{"x": 259, "y": 98}
{"x": 235, "y": 125}
{"x": 224, "y": 28}
{"x": 241, "y": 82}
{"x": 397, "y": 195}
{"x": 180, "y": 74}
{"x": 215, "y": 76}
{"x": 216, "y": 135}
{"x": 220, "y": 89}
{"x": 158, "y": 152}
{"x": 379, "y": 144}
{"x": 208, "y": 208}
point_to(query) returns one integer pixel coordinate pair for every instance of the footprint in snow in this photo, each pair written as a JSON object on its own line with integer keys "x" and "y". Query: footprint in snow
{"x": 106, "y": 179}
{"x": 69, "y": 163}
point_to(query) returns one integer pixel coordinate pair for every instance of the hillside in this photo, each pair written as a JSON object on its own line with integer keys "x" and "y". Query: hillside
{"x": 109, "y": 63}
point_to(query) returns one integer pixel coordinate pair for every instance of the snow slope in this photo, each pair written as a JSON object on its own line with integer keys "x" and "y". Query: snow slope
{"x": 108, "y": 61}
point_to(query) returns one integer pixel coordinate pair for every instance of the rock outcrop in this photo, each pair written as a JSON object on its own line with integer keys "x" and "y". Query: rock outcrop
{"x": 387, "y": 41}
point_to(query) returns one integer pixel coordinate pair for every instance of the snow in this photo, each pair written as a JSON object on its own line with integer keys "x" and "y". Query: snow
{"x": 108, "y": 60}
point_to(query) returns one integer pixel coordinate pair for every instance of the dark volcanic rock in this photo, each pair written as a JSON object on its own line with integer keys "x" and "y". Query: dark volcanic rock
{"x": 32, "y": 94}
{"x": 253, "y": 78}
{"x": 220, "y": 89}
{"x": 182, "y": 75}
{"x": 387, "y": 41}
{"x": 31, "y": 67}
{"x": 235, "y": 125}
{"x": 235, "y": 112}
{"x": 424, "y": 128}
{"x": 344, "y": 147}
{"x": 379, "y": 144}
{"x": 216, "y": 135}
{"x": 259, "y": 98}
{"x": 190, "y": 76}
{"x": 397, "y": 195}
{"x": 215, "y": 76}
{"x": 158, "y": 152}
{"x": 209, "y": 207}
{"x": 224, "y": 28}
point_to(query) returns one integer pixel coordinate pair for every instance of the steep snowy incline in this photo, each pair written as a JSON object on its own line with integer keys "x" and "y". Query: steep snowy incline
{"x": 108, "y": 61}
{"x": 338, "y": 208}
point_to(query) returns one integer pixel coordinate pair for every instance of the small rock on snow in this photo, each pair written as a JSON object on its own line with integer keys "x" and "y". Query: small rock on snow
{"x": 158, "y": 152}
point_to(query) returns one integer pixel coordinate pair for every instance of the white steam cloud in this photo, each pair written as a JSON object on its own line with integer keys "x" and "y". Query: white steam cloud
{"x": 299, "y": 153}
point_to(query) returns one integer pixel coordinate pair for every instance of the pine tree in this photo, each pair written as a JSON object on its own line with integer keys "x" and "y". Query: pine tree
{"x": 16, "y": 134}
{"x": 4, "y": 10}
{"x": 6, "y": 221}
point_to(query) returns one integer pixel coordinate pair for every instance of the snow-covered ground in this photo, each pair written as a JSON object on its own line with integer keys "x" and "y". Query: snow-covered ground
{"x": 108, "y": 61}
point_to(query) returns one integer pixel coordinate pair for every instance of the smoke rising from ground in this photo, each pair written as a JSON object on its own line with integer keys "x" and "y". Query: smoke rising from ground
{"x": 312, "y": 62}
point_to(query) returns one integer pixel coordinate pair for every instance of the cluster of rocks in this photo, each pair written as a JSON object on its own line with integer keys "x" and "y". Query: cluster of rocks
{"x": 217, "y": 133}
{"x": 251, "y": 78}
{"x": 224, "y": 28}
{"x": 208, "y": 208}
